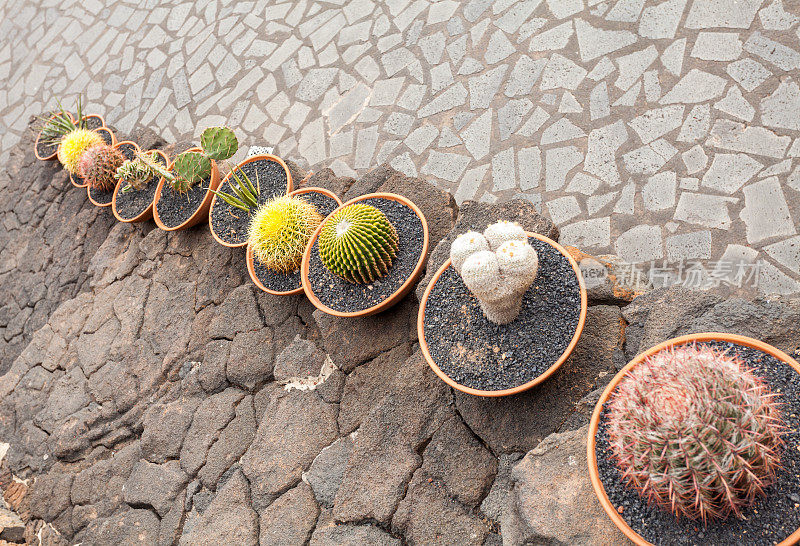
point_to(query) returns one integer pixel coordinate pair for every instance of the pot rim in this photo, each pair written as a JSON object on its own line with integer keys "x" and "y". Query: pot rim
{"x": 591, "y": 443}
{"x": 259, "y": 157}
{"x": 398, "y": 294}
{"x": 145, "y": 214}
{"x": 116, "y": 186}
{"x": 533, "y": 382}
{"x": 54, "y": 155}
{"x": 197, "y": 216}
{"x": 249, "y": 257}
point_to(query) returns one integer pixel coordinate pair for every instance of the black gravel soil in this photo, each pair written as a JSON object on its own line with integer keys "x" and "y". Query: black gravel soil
{"x": 346, "y": 297}
{"x": 771, "y": 520}
{"x": 45, "y": 150}
{"x": 93, "y": 123}
{"x": 175, "y": 208}
{"x": 230, "y": 224}
{"x": 106, "y": 136}
{"x": 482, "y": 355}
{"x": 105, "y": 197}
{"x": 285, "y": 282}
{"x": 132, "y": 204}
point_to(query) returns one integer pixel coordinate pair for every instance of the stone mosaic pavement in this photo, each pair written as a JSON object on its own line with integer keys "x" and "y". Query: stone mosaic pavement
{"x": 654, "y": 130}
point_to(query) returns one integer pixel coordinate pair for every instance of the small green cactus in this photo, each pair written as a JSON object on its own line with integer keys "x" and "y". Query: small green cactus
{"x": 98, "y": 166}
{"x": 695, "y": 432}
{"x": 497, "y": 266}
{"x": 219, "y": 143}
{"x": 189, "y": 169}
{"x": 358, "y": 243}
{"x": 136, "y": 173}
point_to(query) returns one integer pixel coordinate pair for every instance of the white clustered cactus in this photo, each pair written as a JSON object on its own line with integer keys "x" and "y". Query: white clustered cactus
{"x": 497, "y": 266}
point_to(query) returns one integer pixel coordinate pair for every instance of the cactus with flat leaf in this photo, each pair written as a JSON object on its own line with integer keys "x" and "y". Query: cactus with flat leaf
{"x": 192, "y": 167}
{"x": 358, "y": 243}
{"x": 497, "y": 266}
{"x": 696, "y": 432}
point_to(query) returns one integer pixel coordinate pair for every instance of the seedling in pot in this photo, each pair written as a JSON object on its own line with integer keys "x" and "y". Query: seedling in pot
{"x": 358, "y": 243}
{"x": 498, "y": 267}
{"x": 245, "y": 194}
{"x": 696, "y": 433}
{"x": 136, "y": 173}
{"x": 280, "y": 230}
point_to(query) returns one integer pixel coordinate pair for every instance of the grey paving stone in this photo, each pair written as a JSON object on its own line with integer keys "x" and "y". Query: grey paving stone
{"x": 587, "y": 234}
{"x": 470, "y": 183}
{"x": 658, "y": 193}
{"x": 560, "y": 131}
{"x": 766, "y": 214}
{"x": 696, "y": 86}
{"x": 633, "y": 65}
{"x": 558, "y": 163}
{"x": 498, "y": 48}
{"x": 729, "y": 135}
{"x": 649, "y": 158}
{"x": 477, "y": 135}
{"x": 717, "y": 46}
{"x": 688, "y": 246}
{"x": 569, "y": 104}
{"x": 553, "y": 39}
{"x": 529, "y": 161}
{"x": 658, "y": 122}
{"x": 625, "y": 11}
{"x": 640, "y": 244}
{"x": 781, "y": 109}
{"x": 560, "y": 72}
{"x": 315, "y": 82}
{"x": 563, "y": 209}
{"x": 775, "y": 17}
{"x": 603, "y": 144}
{"x": 447, "y": 100}
{"x": 709, "y": 211}
{"x": 722, "y": 13}
{"x": 448, "y": 166}
{"x": 594, "y": 42}
{"x": 695, "y": 159}
{"x": 599, "y": 106}
{"x": 748, "y": 73}
{"x": 441, "y": 77}
{"x": 483, "y": 88}
{"x": 523, "y": 76}
{"x": 503, "y": 171}
{"x": 736, "y": 105}
{"x": 672, "y": 57}
{"x": 421, "y": 138}
{"x": 782, "y": 56}
{"x": 696, "y": 124}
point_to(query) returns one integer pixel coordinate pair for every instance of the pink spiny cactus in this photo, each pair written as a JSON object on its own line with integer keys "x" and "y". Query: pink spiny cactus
{"x": 695, "y": 432}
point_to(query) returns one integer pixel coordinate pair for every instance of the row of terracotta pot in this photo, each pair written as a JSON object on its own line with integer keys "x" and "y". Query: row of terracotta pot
{"x": 203, "y": 214}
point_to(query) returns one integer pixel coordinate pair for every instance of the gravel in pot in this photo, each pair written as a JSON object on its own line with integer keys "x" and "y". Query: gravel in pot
{"x": 133, "y": 203}
{"x": 476, "y": 353}
{"x": 230, "y": 223}
{"x": 279, "y": 281}
{"x": 346, "y": 297}
{"x": 769, "y": 521}
{"x": 105, "y": 197}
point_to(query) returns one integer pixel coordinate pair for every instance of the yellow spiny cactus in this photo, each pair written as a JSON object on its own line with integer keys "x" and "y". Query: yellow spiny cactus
{"x": 74, "y": 144}
{"x": 280, "y": 230}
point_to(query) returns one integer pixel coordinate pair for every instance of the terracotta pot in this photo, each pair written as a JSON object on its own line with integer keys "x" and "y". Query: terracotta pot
{"x": 86, "y": 185}
{"x": 145, "y": 215}
{"x": 260, "y": 157}
{"x": 595, "y": 422}
{"x": 404, "y": 289}
{"x": 525, "y": 386}
{"x": 77, "y": 181}
{"x": 100, "y": 119}
{"x": 201, "y": 214}
{"x": 54, "y": 155}
{"x": 250, "y": 264}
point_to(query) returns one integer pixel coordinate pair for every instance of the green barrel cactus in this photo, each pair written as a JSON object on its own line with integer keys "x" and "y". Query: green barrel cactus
{"x": 695, "y": 432}
{"x": 358, "y": 243}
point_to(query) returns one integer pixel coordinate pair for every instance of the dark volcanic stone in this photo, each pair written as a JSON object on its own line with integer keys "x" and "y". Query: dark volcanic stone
{"x": 770, "y": 520}
{"x": 286, "y": 282}
{"x": 230, "y": 223}
{"x": 482, "y": 355}
{"x": 344, "y": 296}
{"x": 133, "y": 203}
{"x": 290, "y": 519}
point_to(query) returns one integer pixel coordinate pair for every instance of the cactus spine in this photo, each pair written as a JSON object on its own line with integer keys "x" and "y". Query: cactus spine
{"x": 98, "y": 166}
{"x": 498, "y": 267}
{"x": 74, "y": 144}
{"x": 136, "y": 173}
{"x": 280, "y": 230}
{"x": 358, "y": 243}
{"x": 695, "y": 432}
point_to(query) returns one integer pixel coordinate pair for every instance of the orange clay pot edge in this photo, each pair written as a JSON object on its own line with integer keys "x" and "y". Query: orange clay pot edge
{"x": 599, "y": 490}
{"x": 116, "y": 186}
{"x": 202, "y": 210}
{"x": 525, "y": 386}
{"x": 400, "y": 292}
{"x": 54, "y": 155}
{"x": 251, "y": 264}
{"x": 269, "y": 157}
{"x": 144, "y": 215}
